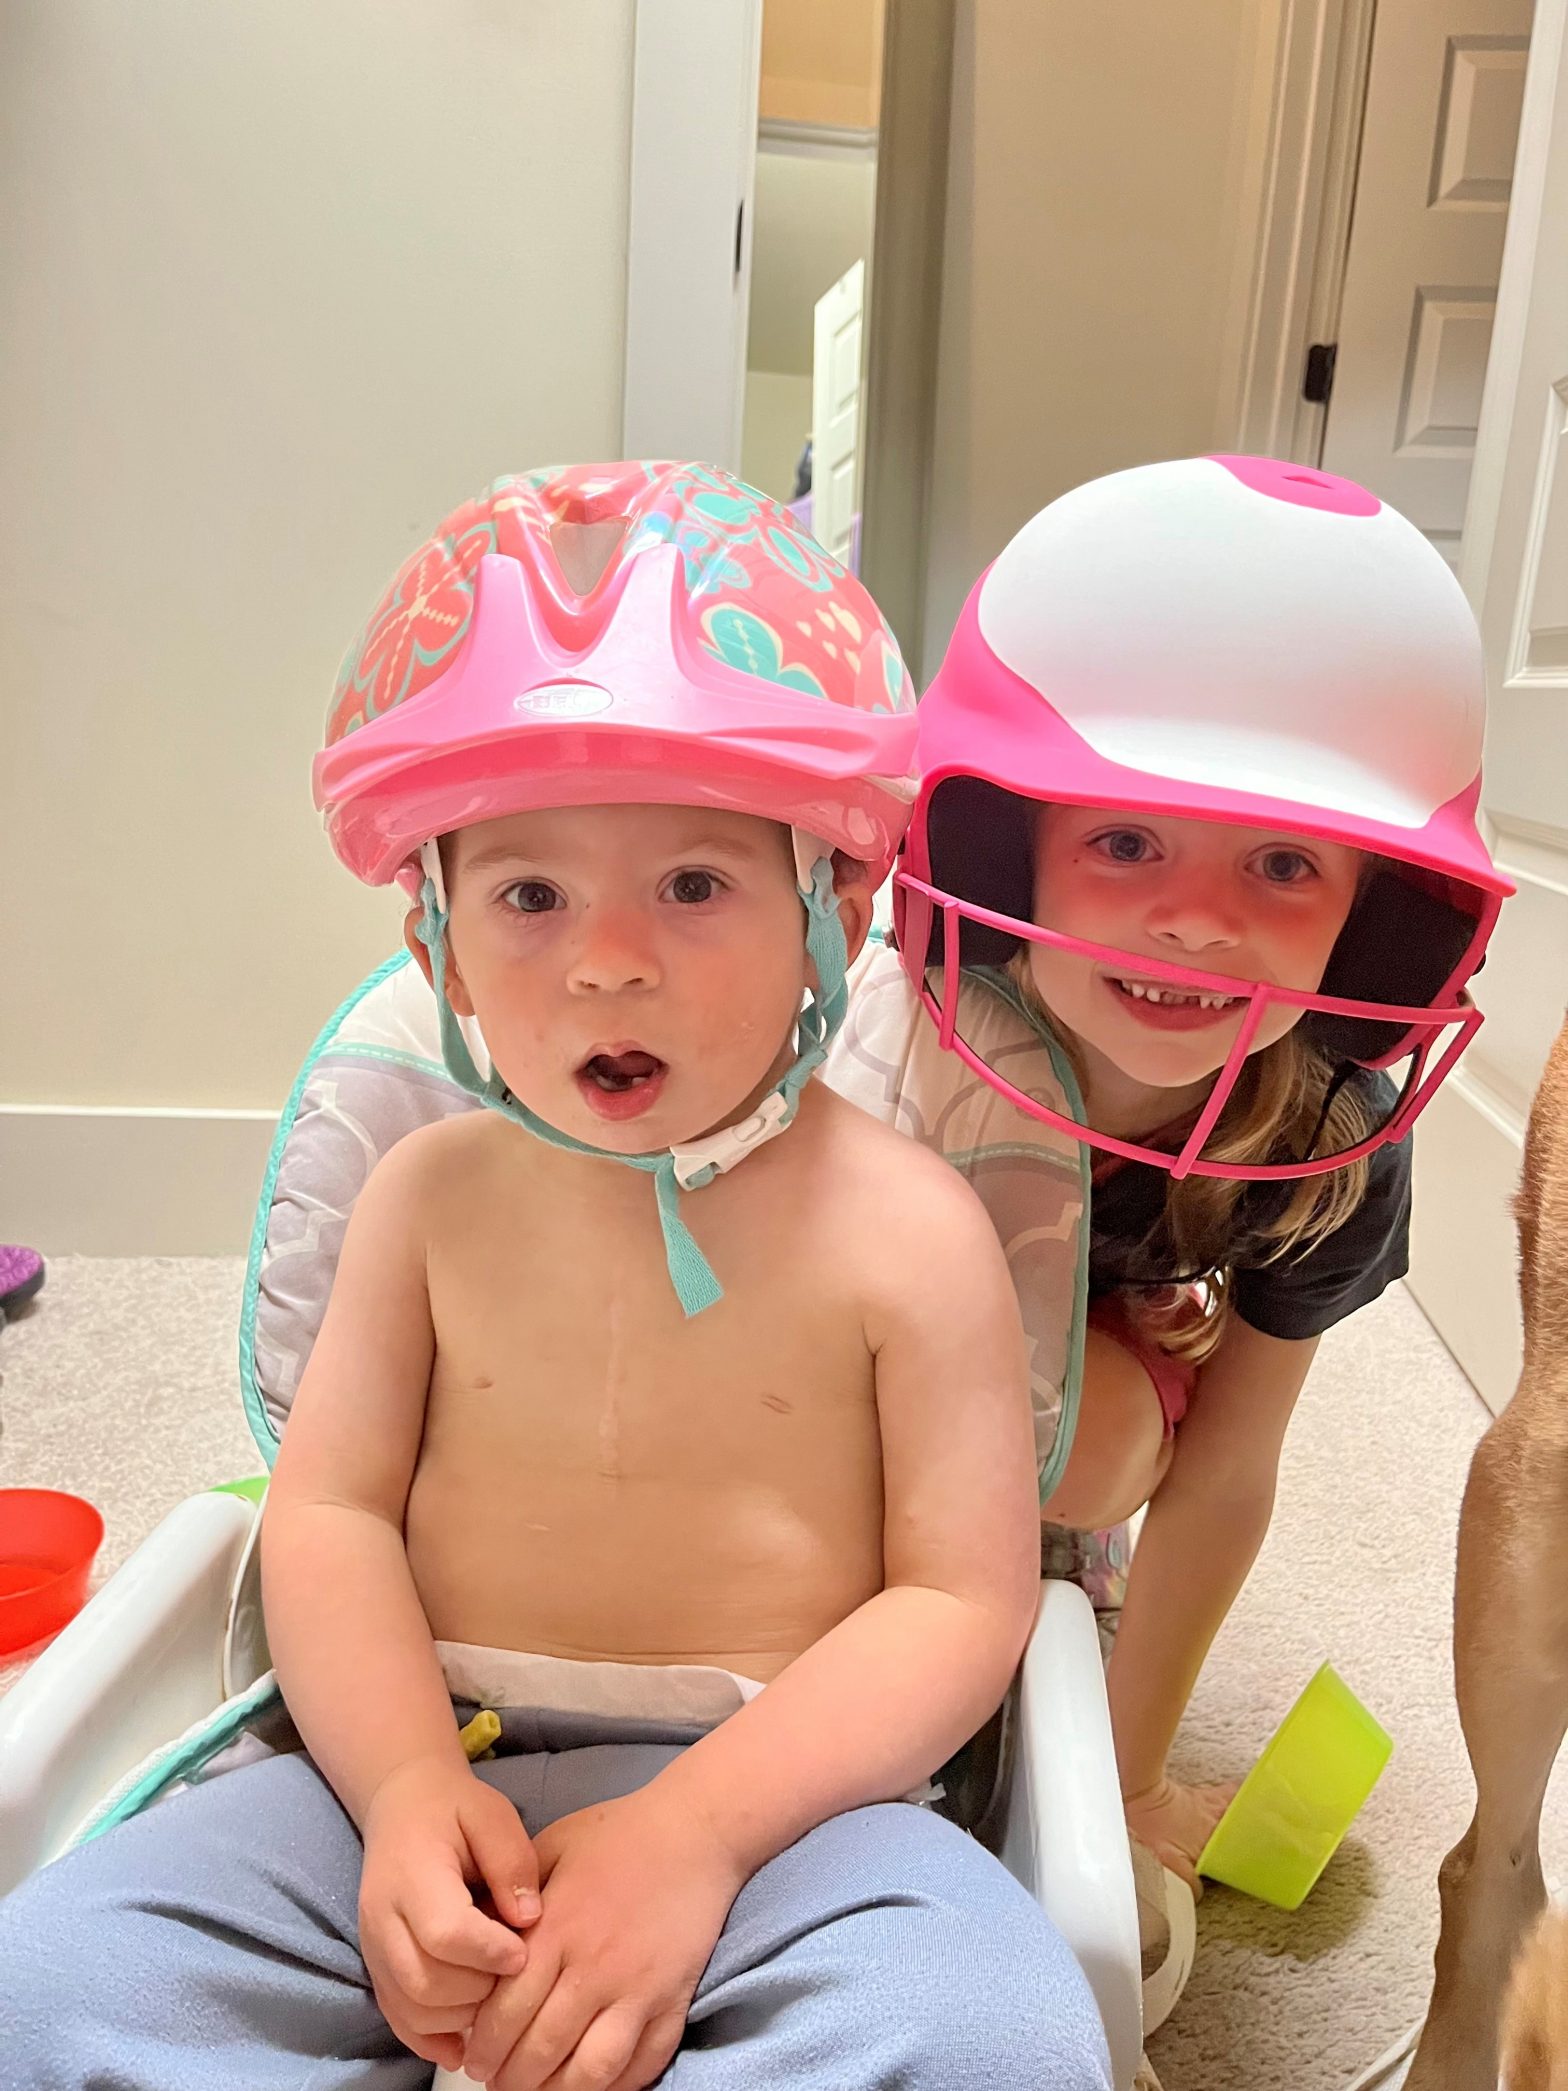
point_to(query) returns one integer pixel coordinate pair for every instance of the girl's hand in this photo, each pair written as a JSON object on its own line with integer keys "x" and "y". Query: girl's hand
{"x": 1176, "y": 1821}
{"x": 436, "y": 1838}
{"x": 635, "y": 1898}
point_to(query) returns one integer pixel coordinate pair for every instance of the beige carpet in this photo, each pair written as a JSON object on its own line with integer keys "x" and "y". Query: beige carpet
{"x": 121, "y": 1384}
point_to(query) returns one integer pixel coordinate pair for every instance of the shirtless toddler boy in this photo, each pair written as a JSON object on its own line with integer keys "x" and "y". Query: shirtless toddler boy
{"x": 761, "y": 1445}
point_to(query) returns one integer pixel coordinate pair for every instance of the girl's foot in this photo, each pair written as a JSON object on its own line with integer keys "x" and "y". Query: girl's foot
{"x": 21, "y": 1274}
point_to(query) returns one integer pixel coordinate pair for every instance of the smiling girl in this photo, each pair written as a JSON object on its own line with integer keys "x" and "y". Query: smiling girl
{"x": 1199, "y": 776}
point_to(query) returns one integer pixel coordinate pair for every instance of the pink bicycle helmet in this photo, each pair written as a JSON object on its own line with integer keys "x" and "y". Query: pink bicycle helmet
{"x": 625, "y": 634}
{"x": 618, "y": 634}
{"x": 1226, "y": 639}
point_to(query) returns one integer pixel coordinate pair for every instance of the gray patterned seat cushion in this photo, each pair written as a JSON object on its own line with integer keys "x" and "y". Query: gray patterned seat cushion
{"x": 374, "y": 1074}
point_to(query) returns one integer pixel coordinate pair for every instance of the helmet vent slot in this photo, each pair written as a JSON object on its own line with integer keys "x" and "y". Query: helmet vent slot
{"x": 584, "y": 551}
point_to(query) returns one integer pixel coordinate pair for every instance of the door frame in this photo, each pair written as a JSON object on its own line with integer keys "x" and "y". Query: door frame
{"x": 898, "y": 427}
{"x": 693, "y": 162}
{"x": 1296, "y": 226}
{"x": 1508, "y": 328}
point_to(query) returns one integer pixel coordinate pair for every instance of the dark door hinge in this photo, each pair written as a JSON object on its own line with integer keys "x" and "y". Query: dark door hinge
{"x": 1318, "y": 381}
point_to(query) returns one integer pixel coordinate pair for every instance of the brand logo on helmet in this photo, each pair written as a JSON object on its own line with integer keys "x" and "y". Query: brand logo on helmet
{"x": 564, "y": 700}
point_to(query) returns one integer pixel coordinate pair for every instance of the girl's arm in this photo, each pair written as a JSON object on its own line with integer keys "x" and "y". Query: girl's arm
{"x": 1200, "y": 1537}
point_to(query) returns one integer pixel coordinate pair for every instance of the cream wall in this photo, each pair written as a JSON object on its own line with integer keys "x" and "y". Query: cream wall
{"x": 774, "y": 431}
{"x": 285, "y": 281}
{"x": 1099, "y": 223}
{"x": 812, "y": 219}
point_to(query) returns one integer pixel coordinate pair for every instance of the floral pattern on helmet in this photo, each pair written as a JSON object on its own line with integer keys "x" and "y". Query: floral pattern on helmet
{"x": 767, "y": 600}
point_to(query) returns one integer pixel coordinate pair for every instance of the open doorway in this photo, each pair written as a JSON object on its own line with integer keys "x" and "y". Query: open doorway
{"x": 849, "y": 155}
{"x": 849, "y": 222}
{"x": 813, "y": 217}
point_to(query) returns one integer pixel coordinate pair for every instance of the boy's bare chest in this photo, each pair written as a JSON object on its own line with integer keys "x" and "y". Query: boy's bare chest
{"x": 590, "y": 1361}
{"x": 649, "y": 1487}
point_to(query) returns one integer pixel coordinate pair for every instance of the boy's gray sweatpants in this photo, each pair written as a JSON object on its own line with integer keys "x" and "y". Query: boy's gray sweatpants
{"x": 213, "y": 1942}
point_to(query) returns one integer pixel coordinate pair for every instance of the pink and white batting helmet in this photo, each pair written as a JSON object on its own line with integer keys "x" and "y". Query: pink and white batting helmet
{"x": 618, "y": 634}
{"x": 1224, "y": 639}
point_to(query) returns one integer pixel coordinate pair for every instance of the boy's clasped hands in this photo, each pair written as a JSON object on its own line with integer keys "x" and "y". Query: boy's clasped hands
{"x": 603, "y": 1926}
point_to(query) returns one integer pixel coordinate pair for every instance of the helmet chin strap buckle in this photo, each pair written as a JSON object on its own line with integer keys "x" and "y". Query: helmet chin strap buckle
{"x": 711, "y": 1156}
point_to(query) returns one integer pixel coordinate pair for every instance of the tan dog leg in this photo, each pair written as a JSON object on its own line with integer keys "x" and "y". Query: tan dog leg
{"x": 1511, "y": 1666}
{"x": 1510, "y": 1636}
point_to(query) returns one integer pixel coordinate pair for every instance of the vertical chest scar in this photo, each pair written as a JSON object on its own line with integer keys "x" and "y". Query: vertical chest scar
{"x": 610, "y": 1435}
{"x": 612, "y": 1397}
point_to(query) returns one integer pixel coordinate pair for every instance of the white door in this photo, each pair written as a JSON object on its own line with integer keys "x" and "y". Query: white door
{"x": 835, "y": 412}
{"x": 688, "y": 271}
{"x": 1515, "y": 570}
{"x": 1426, "y": 243}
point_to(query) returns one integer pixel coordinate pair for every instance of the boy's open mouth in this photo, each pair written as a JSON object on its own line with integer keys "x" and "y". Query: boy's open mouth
{"x": 621, "y": 1083}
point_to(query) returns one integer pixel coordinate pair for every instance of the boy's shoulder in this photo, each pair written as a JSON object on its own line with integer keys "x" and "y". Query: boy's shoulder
{"x": 906, "y": 1188}
{"x": 424, "y": 1160}
{"x": 908, "y": 1237}
{"x": 856, "y": 1131}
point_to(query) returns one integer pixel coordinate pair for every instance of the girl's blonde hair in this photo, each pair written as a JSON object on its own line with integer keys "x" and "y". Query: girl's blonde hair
{"x": 1275, "y": 1109}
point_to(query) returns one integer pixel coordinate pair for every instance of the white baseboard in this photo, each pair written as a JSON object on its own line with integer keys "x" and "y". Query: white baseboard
{"x": 78, "y": 1181}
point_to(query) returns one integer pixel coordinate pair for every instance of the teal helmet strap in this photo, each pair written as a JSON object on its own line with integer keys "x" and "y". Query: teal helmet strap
{"x": 828, "y": 1002}
{"x": 690, "y": 1167}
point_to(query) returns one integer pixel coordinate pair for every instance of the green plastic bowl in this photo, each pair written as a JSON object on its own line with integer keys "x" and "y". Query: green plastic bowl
{"x": 252, "y": 1488}
{"x": 1301, "y": 1796}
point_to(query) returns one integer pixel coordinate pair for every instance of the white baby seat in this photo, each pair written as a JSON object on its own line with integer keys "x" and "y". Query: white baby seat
{"x": 165, "y": 1677}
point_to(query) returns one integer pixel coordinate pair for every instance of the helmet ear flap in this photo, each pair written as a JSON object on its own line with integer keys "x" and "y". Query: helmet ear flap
{"x": 980, "y": 841}
{"x": 1401, "y": 943}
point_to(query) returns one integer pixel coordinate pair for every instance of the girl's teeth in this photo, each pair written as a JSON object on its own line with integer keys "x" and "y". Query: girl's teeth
{"x": 1145, "y": 993}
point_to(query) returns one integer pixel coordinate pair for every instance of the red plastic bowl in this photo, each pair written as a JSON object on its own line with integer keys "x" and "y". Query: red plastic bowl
{"x": 48, "y": 1542}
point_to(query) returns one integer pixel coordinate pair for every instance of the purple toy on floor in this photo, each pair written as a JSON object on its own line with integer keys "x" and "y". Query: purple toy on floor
{"x": 21, "y": 1274}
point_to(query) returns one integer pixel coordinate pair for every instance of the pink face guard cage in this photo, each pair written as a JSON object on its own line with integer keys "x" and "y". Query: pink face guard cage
{"x": 1423, "y": 1028}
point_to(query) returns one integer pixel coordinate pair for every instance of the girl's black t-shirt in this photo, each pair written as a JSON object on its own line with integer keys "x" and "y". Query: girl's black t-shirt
{"x": 1301, "y": 1293}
